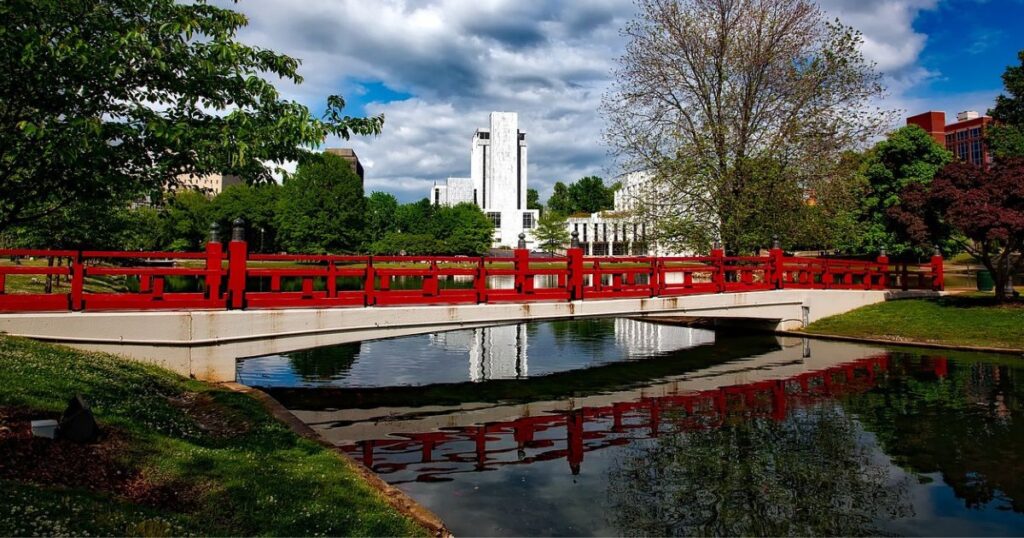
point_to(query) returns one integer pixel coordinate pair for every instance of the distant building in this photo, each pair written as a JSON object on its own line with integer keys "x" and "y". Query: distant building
{"x": 497, "y": 182}
{"x": 209, "y": 184}
{"x": 349, "y": 155}
{"x": 628, "y": 229}
{"x": 965, "y": 138}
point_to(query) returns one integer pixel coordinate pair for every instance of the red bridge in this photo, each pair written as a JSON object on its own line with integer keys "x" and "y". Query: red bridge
{"x": 237, "y": 279}
{"x": 435, "y": 456}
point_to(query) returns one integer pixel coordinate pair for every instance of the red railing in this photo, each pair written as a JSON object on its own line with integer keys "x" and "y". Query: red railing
{"x": 236, "y": 279}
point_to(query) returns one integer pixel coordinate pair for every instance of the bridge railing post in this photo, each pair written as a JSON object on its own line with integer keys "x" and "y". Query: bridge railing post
{"x": 574, "y": 280}
{"x": 521, "y": 260}
{"x": 718, "y": 260}
{"x": 214, "y": 263}
{"x": 77, "y": 282}
{"x": 938, "y": 272}
{"x": 238, "y": 251}
{"x": 775, "y": 264}
{"x": 370, "y": 283}
{"x": 883, "y": 269}
{"x": 480, "y": 280}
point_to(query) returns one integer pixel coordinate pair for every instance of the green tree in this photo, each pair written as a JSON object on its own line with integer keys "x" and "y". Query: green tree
{"x": 185, "y": 221}
{"x": 551, "y": 232}
{"x": 590, "y": 195}
{"x": 560, "y": 201}
{"x": 381, "y": 215}
{"x": 415, "y": 217}
{"x": 107, "y": 98}
{"x": 413, "y": 244}
{"x": 257, "y": 205}
{"x": 908, "y": 156}
{"x": 462, "y": 229}
{"x": 533, "y": 200}
{"x": 706, "y": 87}
{"x": 1006, "y": 138}
{"x": 321, "y": 207}
{"x": 585, "y": 195}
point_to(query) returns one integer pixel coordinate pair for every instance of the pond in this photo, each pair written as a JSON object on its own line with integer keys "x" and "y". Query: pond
{"x": 619, "y": 426}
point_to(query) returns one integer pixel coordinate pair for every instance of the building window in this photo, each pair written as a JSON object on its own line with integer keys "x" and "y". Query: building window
{"x": 527, "y": 221}
{"x": 495, "y": 218}
{"x": 474, "y": 198}
{"x": 976, "y": 132}
{"x": 522, "y": 136}
{"x": 976, "y": 151}
{"x": 484, "y": 136}
{"x": 437, "y": 196}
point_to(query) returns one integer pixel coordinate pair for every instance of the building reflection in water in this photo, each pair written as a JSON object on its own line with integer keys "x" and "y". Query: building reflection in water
{"x": 502, "y": 352}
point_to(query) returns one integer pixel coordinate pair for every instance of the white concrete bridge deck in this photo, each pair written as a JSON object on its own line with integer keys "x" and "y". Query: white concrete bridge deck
{"x": 206, "y": 344}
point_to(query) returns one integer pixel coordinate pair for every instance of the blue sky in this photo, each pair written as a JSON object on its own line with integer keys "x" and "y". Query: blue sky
{"x": 435, "y": 68}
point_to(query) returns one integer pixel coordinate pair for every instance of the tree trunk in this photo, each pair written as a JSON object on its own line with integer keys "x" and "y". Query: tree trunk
{"x": 49, "y": 277}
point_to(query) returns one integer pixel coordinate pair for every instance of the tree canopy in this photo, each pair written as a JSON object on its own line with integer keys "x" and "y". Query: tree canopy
{"x": 322, "y": 208}
{"x": 108, "y": 98}
{"x": 586, "y": 195}
{"x": 1006, "y": 137}
{"x": 909, "y": 156}
{"x": 707, "y": 87}
{"x": 986, "y": 205}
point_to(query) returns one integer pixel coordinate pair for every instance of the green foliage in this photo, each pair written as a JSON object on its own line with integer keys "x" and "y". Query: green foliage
{"x": 461, "y": 229}
{"x": 1009, "y": 108}
{"x": 551, "y": 232}
{"x": 185, "y": 221}
{"x": 533, "y": 200}
{"x": 321, "y": 207}
{"x": 908, "y": 156}
{"x": 381, "y": 215}
{"x": 247, "y": 475}
{"x": 257, "y": 206}
{"x": 1005, "y": 141}
{"x": 115, "y": 98}
{"x": 586, "y": 195}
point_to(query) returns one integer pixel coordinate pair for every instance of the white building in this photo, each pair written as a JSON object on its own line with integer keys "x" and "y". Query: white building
{"x": 628, "y": 229}
{"x": 210, "y": 184}
{"x": 497, "y": 182}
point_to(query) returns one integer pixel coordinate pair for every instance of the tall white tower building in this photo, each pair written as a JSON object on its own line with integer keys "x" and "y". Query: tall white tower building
{"x": 497, "y": 182}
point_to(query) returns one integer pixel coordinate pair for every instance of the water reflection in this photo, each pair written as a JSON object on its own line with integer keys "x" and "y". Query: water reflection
{"x": 745, "y": 435}
{"x": 500, "y": 352}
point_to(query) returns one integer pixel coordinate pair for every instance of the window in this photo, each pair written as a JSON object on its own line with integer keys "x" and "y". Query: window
{"x": 437, "y": 196}
{"x": 527, "y": 221}
{"x": 976, "y": 132}
{"x": 474, "y": 198}
{"x": 522, "y": 136}
{"x": 495, "y": 218}
{"x": 484, "y": 136}
{"x": 976, "y": 151}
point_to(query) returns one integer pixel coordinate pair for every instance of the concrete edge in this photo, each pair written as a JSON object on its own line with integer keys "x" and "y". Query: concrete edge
{"x": 901, "y": 343}
{"x": 395, "y": 497}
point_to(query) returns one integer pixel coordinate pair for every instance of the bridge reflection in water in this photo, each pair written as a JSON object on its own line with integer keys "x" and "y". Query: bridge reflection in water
{"x": 569, "y": 435}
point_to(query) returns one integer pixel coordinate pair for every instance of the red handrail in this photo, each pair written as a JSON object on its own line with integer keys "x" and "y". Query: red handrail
{"x": 238, "y": 279}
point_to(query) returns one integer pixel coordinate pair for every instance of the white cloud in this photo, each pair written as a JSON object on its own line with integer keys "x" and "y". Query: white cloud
{"x": 549, "y": 61}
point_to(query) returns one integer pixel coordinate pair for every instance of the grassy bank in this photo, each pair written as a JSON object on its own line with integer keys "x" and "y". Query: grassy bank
{"x": 959, "y": 320}
{"x": 176, "y": 457}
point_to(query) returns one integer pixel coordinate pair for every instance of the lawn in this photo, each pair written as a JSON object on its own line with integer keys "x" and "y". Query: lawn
{"x": 959, "y": 320}
{"x": 176, "y": 457}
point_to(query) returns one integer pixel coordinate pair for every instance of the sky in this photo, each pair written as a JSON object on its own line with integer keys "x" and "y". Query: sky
{"x": 436, "y": 68}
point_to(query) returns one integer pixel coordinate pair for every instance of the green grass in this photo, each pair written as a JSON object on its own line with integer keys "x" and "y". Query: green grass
{"x": 258, "y": 478}
{"x": 967, "y": 320}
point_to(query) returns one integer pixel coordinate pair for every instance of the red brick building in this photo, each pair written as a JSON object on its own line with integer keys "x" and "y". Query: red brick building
{"x": 965, "y": 138}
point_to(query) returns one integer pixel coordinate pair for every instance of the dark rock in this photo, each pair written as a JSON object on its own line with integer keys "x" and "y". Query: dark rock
{"x": 77, "y": 423}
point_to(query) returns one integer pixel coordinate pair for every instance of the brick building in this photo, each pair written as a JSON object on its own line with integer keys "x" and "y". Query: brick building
{"x": 965, "y": 138}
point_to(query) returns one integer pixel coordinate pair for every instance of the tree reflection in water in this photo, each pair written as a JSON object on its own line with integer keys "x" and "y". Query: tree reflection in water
{"x": 324, "y": 363}
{"x": 810, "y": 474}
{"x": 967, "y": 424}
